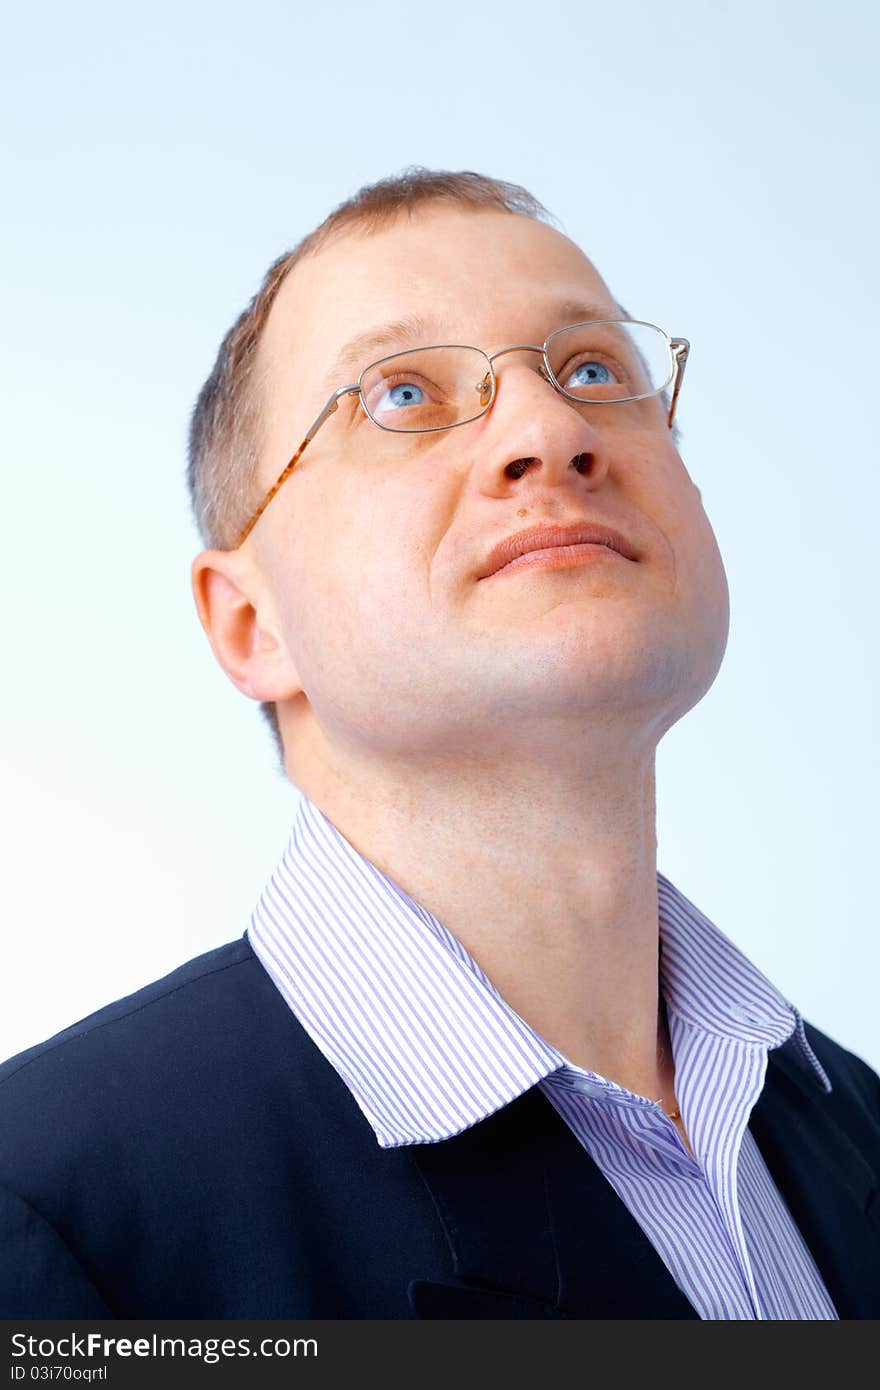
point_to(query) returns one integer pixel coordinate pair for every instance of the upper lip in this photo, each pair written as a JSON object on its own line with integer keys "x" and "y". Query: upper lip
{"x": 549, "y": 534}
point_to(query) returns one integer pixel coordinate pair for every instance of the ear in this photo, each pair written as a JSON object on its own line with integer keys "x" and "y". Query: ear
{"x": 235, "y": 610}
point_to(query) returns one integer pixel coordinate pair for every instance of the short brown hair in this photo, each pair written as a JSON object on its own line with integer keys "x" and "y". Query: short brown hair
{"x": 225, "y": 437}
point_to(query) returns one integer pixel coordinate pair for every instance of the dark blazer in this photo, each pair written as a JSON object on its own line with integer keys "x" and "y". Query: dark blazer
{"x": 188, "y": 1152}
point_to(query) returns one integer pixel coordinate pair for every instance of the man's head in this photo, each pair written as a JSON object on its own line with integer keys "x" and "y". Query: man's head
{"x": 356, "y": 606}
{"x": 227, "y": 432}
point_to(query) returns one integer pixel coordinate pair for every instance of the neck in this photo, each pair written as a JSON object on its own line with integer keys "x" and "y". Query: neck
{"x": 549, "y": 881}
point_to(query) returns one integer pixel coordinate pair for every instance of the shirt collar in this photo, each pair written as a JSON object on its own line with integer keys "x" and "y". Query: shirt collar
{"x": 711, "y": 984}
{"x": 418, "y": 1033}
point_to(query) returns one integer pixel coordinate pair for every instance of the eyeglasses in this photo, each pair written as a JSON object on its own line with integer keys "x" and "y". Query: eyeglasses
{"x": 427, "y": 389}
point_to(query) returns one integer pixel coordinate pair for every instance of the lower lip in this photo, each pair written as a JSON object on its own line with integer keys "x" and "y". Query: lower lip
{"x": 559, "y": 557}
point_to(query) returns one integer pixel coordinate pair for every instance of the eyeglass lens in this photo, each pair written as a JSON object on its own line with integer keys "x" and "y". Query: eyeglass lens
{"x": 438, "y": 387}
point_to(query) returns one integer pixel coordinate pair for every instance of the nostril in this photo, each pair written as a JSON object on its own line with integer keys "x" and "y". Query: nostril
{"x": 518, "y": 467}
{"x": 582, "y": 462}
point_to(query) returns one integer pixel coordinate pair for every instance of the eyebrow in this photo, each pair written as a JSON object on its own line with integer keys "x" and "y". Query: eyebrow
{"x": 414, "y": 330}
{"x": 418, "y": 330}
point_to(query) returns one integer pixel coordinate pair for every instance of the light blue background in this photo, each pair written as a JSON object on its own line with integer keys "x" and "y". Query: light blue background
{"x": 714, "y": 160}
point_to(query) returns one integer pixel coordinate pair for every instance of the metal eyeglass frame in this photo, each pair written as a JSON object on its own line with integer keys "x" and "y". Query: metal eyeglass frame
{"x": 488, "y": 387}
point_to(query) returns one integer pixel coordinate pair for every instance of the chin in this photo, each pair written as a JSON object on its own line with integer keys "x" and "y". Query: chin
{"x": 627, "y": 659}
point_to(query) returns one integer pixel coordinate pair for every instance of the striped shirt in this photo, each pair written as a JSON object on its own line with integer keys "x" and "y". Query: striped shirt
{"x": 428, "y": 1047}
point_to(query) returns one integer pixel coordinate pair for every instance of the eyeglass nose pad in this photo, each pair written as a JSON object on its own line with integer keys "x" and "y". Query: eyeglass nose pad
{"x": 485, "y": 389}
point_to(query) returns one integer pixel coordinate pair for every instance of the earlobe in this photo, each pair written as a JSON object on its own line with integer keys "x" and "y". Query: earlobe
{"x": 235, "y": 612}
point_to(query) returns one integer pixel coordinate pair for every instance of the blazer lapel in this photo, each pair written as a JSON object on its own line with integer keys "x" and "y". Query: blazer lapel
{"x": 534, "y": 1228}
{"x": 830, "y": 1189}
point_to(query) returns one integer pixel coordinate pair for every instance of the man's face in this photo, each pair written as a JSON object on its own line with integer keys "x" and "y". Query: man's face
{"x": 372, "y": 551}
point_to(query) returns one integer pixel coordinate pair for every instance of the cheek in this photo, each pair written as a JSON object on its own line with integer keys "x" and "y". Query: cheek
{"x": 670, "y": 497}
{"x": 696, "y": 538}
{"x": 701, "y": 580}
{"x": 353, "y": 585}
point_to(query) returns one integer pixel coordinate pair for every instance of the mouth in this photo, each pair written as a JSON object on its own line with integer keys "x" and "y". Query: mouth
{"x": 557, "y": 547}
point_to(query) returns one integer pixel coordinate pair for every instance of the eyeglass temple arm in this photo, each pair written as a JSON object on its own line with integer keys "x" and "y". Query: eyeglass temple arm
{"x": 680, "y": 349}
{"x": 331, "y": 406}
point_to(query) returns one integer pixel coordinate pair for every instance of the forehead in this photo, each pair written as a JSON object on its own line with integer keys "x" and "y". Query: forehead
{"x": 479, "y": 276}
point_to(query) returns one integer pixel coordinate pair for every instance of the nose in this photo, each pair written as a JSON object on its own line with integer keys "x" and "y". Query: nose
{"x": 535, "y": 429}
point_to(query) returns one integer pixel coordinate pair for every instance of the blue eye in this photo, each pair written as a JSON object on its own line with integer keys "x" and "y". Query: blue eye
{"x": 402, "y": 393}
{"x": 590, "y": 374}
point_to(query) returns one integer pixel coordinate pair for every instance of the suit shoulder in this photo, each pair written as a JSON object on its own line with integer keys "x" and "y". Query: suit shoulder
{"x": 146, "y": 1017}
{"x": 840, "y": 1059}
{"x": 854, "y": 1100}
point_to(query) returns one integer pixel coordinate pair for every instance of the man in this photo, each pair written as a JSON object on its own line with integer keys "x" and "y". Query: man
{"x": 475, "y": 1056}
